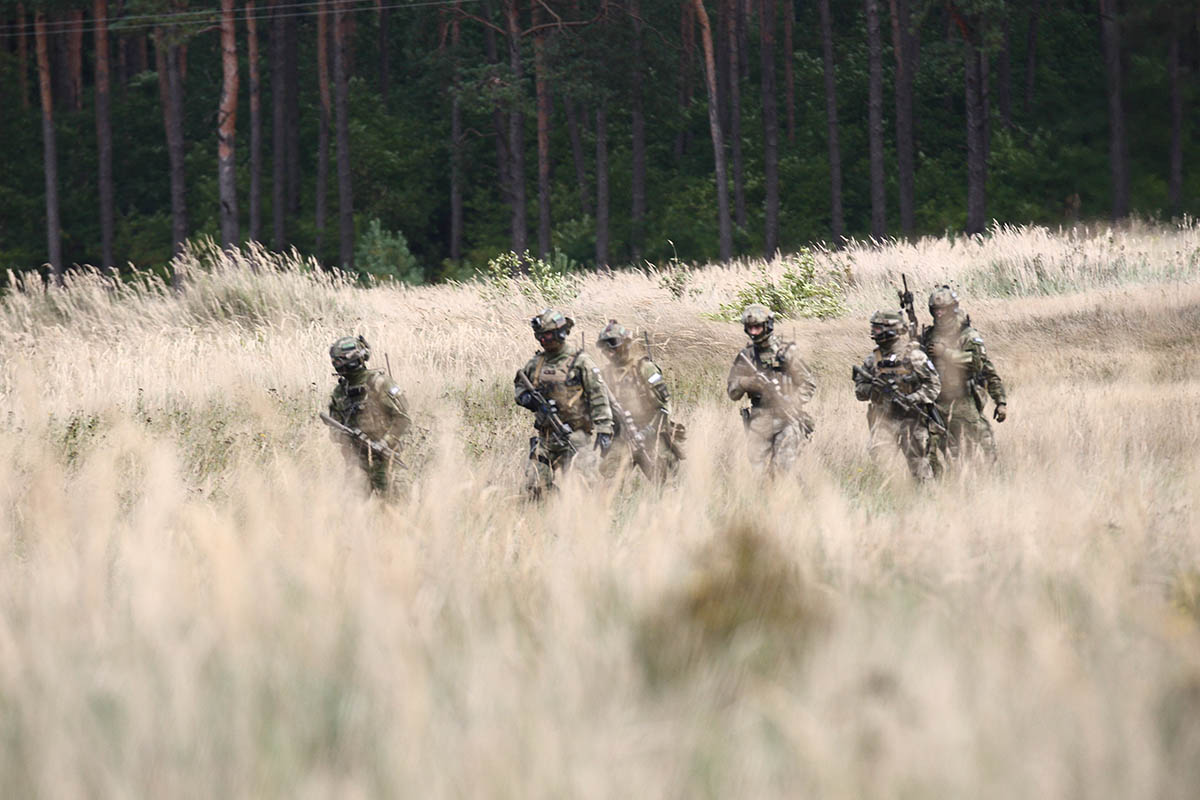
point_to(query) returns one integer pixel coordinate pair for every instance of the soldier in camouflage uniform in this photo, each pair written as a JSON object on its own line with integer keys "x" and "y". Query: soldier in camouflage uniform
{"x": 637, "y": 387}
{"x": 367, "y": 400}
{"x": 567, "y": 380}
{"x": 778, "y": 383}
{"x": 968, "y": 377}
{"x": 898, "y": 373}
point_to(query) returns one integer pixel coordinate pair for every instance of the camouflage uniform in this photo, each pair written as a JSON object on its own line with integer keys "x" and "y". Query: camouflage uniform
{"x": 968, "y": 377}
{"x": 900, "y": 362}
{"x": 568, "y": 379}
{"x": 778, "y": 384}
{"x": 639, "y": 389}
{"x": 370, "y": 401}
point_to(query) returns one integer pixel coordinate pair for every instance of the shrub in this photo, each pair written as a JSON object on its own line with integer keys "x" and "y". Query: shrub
{"x": 384, "y": 255}
{"x": 799, "y": 292}
{"x": 550, "y": 282}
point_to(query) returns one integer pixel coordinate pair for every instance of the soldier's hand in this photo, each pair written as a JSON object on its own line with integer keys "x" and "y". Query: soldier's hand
{"x": 526, "y": 401}
{"x": 937, "y": 349}
{"x": 603, "y": 442}
{"x": 1001, "y": 412}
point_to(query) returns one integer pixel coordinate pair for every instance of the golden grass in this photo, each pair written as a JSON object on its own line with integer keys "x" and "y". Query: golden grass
{"x": 196, "y": 599}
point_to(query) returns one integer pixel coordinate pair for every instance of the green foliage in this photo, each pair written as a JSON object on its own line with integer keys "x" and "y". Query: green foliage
{"x": 384, "y": 255}
{"x": 541, "y": 281}
{"x": 800, "y": 292}
{"x": 675, "y": 277}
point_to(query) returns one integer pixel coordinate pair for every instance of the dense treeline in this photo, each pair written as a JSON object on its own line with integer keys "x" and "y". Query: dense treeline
{"x": 422, "y": 138}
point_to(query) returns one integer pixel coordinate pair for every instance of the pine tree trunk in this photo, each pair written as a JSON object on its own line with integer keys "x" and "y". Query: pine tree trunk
{"x": 734, "y": 130}
{"x": 23, "y": 56}
{"x": 725, "y": 231}
{"x": 1175, "y": 171}
{"x": 291, "y": 80}
{"x": 1118, "y": 148}
{"x": 516, "y": 134}
{"x": 227, "y": 129}
{"x": 837, "y": 224}
{"x": 875, "y": 121}
{"x": 542, "y": 92}
{"x": 789, "y": 79}
{"x": 903, "y": 46}
{"x": 74, "y": 39}
{"x": 687, "y": 60}
{"x": 255, "y": 232}
{"x": 278, "y": 128}
{"x": 170, "y": 88}
{"x": 1031, "y": 40}
{"x": 341, "y": 82}
{"x": 573, "y": 133}
{"x": 456, "y": 155}
{"x": 637, "y": 208}
{"x": 601, "y": 185}
{"x": 766, "y": 30}
{"x": 104, "y": 147}
{"x": 49, "y": 151}
{"x": 976, "y": 138}
{"x": 325, "y": 103}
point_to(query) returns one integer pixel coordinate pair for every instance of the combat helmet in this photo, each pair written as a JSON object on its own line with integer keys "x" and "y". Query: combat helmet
{"x": 551, "y": 324}
{"x": 758, "y": 314}
{"x": 886, "y": 327}
{"x": 615, "y": 340}
{"x": 943, "y": 297}
{"x": 349, "y": 354}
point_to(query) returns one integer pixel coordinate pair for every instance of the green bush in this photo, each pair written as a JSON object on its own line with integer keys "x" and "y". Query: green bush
{"x": 538, "y": 280}
{"x": 799, "y": 292}
{"x": 384, "y": 255}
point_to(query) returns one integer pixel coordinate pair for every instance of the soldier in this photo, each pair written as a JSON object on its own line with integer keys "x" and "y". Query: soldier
{"x": 561, "y": 386}
{"x": 778, "y": 383}
{"x": 900, "y": 381}
{"x": 968, "y": 377}
{"x": 370, "y": 412}
{"x": 640, "y": 403}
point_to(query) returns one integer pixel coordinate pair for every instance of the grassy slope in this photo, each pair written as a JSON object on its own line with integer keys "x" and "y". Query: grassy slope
{"x": 193, "y": 602}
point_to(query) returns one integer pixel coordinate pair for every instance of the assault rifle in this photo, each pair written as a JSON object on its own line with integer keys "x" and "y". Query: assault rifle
{"x": 378, "y": 448}
{"x": 633, "y": 435}
{"x": 548, "y": 410}
{"x": 778, "y": 400}
{"x": 930, "y": 416}
{"x": 906, "y": 304}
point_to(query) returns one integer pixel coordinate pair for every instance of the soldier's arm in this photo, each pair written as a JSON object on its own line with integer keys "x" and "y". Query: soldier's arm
{"x": 930, "y": 385}
{"x": 653, "y": 377}
{"x": 805, "y": 386}
{"x": 737, "y": 374}
{"x": 862, "y": 381}
{"x": 518, "y": 386}
{"x": 599, "y": 410}
{"x": 394, "y": 405}
{"x": 983, "y": 367}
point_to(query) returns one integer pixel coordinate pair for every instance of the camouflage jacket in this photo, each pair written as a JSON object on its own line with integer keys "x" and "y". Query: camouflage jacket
{"x": 776, "y": 360}
{"x": 567, "y": 378}
{"x": 640, "y": 389}
{"x": 906, "y": 364}
{"x": 372, "y": 402}
{"x": 963, "y": 364}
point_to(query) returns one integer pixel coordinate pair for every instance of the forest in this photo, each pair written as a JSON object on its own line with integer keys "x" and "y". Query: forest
{"x": 420, "y": 140}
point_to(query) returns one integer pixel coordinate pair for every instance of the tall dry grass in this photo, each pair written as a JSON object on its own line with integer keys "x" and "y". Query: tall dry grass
{"x": 197, "y": 600}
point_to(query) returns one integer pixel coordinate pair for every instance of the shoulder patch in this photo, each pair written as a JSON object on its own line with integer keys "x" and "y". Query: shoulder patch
{"x": 395, "y": 390}
{"x": 654, "y": 379}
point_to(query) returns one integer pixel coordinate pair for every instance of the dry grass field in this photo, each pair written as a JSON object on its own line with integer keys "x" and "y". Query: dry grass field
{"x": 197, "y": 600}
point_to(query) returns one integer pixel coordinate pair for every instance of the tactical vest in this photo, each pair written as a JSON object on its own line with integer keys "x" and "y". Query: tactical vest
{"x": 775, "y": 365}
{"x": 633, "y": 392}
{"x": 563, "y": 383}
{"x": 896, "y": 367}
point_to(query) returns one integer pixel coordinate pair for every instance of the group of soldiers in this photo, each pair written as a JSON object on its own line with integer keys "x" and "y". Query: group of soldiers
{"x": 926, "y": 394}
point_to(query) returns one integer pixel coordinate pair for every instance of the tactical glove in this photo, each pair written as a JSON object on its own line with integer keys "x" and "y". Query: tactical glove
{"x": 1001, "y": 412}
{"x": 526, "y": 401}
{"x": 603, "y": 442}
